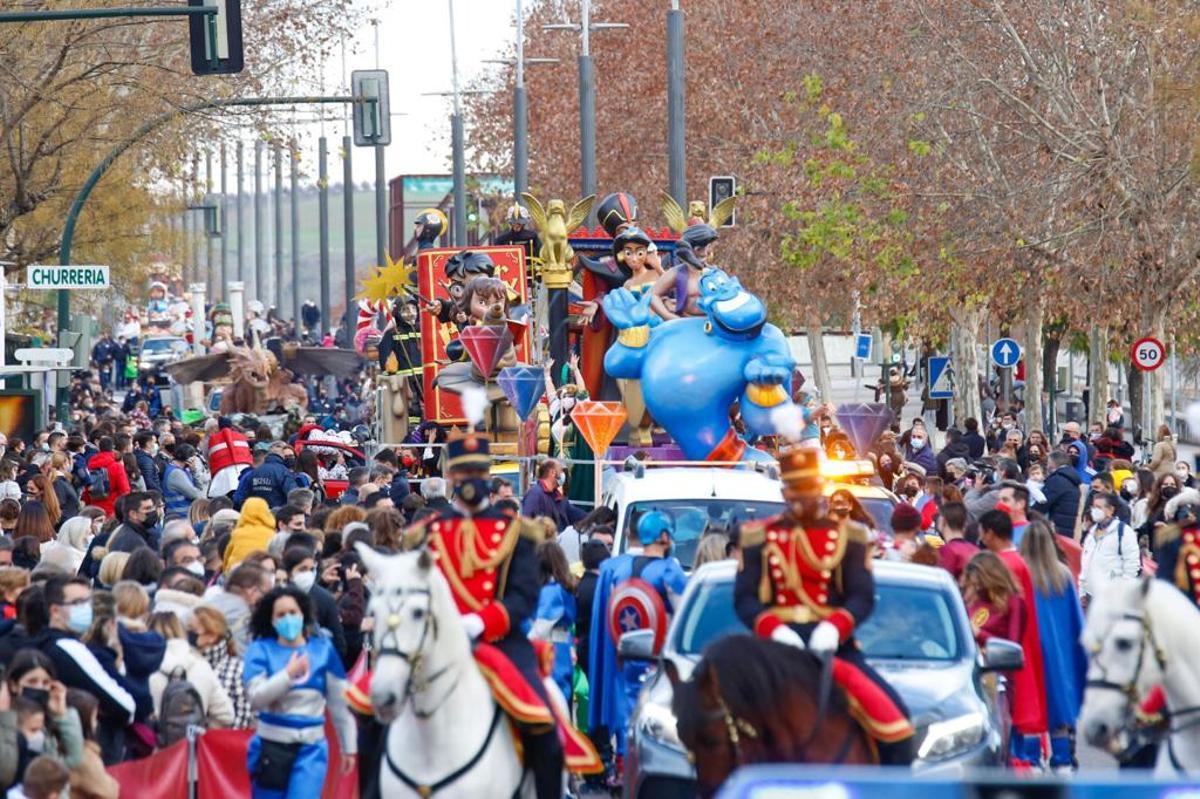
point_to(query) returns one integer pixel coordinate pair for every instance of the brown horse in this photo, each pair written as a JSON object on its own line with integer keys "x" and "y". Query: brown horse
{"x": 756, "y": 701}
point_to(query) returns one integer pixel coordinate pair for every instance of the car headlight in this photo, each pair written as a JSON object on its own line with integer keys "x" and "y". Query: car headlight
{"x": 658, "y": 722}
{"x": 952, "y": 736}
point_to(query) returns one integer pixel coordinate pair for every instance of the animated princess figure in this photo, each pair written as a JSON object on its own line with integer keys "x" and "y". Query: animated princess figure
{"x": 571, "y": 445}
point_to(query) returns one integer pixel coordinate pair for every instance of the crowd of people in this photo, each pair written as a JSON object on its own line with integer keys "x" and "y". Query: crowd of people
{"x": 1031, "y": 529}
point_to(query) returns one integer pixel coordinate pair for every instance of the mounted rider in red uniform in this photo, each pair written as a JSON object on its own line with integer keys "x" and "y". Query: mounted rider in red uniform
{"x": 806, "y": 581}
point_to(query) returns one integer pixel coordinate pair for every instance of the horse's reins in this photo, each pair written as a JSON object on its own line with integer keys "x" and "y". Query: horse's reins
{"x": 1129, "y": 689}
{"x": 429, "y": 789}
{"x": 736, "y": 727}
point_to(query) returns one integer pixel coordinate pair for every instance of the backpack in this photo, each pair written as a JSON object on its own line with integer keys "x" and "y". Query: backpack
{"x": 97, "y": 484}
{"x": 179, "y": 709}
{"x": 1120, "y": 535}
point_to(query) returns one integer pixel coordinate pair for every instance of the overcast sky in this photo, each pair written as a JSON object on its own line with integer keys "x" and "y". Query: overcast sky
{"x": 414, "y": 47}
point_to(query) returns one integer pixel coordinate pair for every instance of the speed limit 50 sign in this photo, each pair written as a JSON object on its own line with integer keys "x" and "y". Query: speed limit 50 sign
{"x": 1148, "y": 354}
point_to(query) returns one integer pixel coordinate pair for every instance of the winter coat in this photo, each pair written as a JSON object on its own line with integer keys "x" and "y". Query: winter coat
{"x": 923, "y": 457}
{"x": 118, "y": 481}
{"x": 271, "y": 482}
{"x": 149, "y": 469}
{"x": 68, "y": 498}
{"x": 180, "y": 655}
{"x": 236, "y": 613}
{"x": 955, "y": 449}
{"x": 1162, "y": 459}
{"x": 1062, "y": 499}
{"x": 976, "y": 444}
{"x": 1080, "y": 451}
{"x": 254, "y": 530}
{"x": 181, "y": 603}
{"x": 1109, "y": 556}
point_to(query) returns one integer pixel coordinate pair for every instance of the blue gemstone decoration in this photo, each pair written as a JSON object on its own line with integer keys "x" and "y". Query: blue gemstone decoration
{"x": 523, "y": 386}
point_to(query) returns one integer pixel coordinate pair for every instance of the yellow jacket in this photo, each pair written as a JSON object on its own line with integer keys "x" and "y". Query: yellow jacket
{"x": 254, "y": 531}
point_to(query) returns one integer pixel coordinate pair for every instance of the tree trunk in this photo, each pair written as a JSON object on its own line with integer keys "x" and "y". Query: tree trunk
{"x": 964, "y": 358}
{"x": 1033, "y": 363}
{"x": 1098, "y": 374}
{"x": 1157, "y": 410}
{"x": 1050, "y": 375}
{"x": 820, "y": 364}
{"x": 1137, "y": 405}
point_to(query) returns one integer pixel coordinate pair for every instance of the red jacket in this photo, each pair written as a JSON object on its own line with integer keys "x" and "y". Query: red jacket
{"x": 118, "y": 481}
{"x": 1029, "y": 684}
{"x": 228, "y": 448}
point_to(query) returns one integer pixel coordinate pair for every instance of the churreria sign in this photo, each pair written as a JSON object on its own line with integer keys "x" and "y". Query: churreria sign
{"x": 66, "y": 277}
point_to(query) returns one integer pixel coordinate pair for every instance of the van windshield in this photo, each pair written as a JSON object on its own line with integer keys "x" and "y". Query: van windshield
{"x": 695, "y": 517}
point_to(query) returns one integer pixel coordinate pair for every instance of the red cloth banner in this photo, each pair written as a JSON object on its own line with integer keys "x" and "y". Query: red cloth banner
{"x": 163, "y": 775}
{"x": 221, "y": 769}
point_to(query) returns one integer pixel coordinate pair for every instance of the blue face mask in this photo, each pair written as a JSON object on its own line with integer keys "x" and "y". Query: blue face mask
{"x": 79, "y": 618}
{"x": 289, "y": 627}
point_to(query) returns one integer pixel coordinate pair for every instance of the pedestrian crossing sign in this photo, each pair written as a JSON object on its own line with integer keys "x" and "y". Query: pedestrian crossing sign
{"x": 939, "y": 378}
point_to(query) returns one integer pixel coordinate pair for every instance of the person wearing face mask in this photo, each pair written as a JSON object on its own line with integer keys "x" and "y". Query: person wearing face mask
{"x": 145, "y": 450}
{"x": 1184, "y": 472}
{"x": 68, "y": 603}
{"x": 822, "y": 595}
{"x": 301, "y": 566}
{"x": 546, "y": 498}
{"x": 137, "y": 530}
{"x": 292, "y": 677}
{"x": 182, "y": 659}
{"x": 1110, "y": 551}
{"x": 491, "y": 562}
{"x": 918, "y": 450}
{"x": 178, "y": 486}
{"x": 31, "y": 678}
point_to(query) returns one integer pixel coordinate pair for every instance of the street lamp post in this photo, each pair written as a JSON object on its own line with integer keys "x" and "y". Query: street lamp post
{"x": 260, "y": 266}
{"x": 587, "y": 93}
{"x": 295, "y": 209}
{"x": 323, "y": 223}
{"x": 278, "y": 157}
{"x": 456, "y": 143}
{"x": 676, "y": 151}
{"x": 348, "y": 231}
{"x": 224, "y": 230}
{"x": 241, "y": 217}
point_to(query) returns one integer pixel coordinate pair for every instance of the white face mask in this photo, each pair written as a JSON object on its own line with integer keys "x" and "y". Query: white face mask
{"x": 1182, "y": 474}
{"x": 36, "y": 741}
{"x": 304, "y": 580}
{"x": 918, "y": 443}
{"x": 196, "y": 568}
{"x": 1097, "y": 515}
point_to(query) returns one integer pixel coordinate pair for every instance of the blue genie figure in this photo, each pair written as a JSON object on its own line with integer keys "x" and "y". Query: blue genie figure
{"x": 693, "y": 369}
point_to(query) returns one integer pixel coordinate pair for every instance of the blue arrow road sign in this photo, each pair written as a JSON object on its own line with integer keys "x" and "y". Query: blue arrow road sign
{"x": 862, "y": 347}
{"x": 939, "y": 378}
{"x": 1006, "y": 352}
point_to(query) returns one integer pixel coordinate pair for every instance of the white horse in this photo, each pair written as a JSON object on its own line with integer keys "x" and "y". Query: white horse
{"x": 1141, "y": 634}
{"x": 446, "y": 735}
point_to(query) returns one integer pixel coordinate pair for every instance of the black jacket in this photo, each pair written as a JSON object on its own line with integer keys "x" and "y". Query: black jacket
{"x": 326, "y": 611}
{"x": 148, "y": 466}
{"x": 272, "y": 481}
{"x": 1062, "y": 499}
{"x": 955, "y": 449}
{"x": 77, "y": 666}
{"x": 975, "y": 445}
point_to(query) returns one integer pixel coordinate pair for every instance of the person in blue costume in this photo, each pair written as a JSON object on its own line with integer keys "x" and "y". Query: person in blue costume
{"x": 615, "y": 685}
{"x": 291, "y": 678}
{"x": 1060, "y": 623}
{"x": 554, "y": 618}
{"x": 692, "y": 370}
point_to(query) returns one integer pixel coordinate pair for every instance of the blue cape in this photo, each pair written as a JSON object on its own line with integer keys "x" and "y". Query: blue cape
{"x": 1065, "y": 663}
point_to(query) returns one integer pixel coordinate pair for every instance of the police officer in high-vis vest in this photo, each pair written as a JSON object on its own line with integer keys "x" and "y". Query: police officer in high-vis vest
{"x": 806, "y": 581}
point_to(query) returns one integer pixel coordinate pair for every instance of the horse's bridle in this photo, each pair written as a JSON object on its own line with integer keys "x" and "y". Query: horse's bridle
{"x": 1129, "y": 689}
{"x": 415, "y": 658}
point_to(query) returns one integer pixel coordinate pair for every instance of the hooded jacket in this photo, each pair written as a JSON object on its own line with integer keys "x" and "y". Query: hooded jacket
{"x": 1062, "y": 499}
{"x": 254, "y": 530}
{"x": 118, "y": 481}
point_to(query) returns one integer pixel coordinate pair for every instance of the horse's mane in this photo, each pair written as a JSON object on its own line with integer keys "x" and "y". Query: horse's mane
{"x": 770, "y": 685}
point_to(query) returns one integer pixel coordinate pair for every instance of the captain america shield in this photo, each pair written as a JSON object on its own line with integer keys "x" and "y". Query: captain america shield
{"x": 636, "y": 605}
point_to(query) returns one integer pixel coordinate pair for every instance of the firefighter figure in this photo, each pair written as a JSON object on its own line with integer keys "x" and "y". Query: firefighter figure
{"x": 491, "y": 564}
{"x": 806, "y": 581}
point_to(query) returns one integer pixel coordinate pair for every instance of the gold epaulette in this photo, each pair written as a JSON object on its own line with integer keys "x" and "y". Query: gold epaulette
{"x": 752, "y": 534}
{"x": 856, "y": 533}
{"x": 414, "y": 536}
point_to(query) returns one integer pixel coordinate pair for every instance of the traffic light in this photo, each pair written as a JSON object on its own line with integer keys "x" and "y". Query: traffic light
{"x": 721, "y": 187}
{"x": 372, "y": 107}
{"x": 216, "y": 39}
